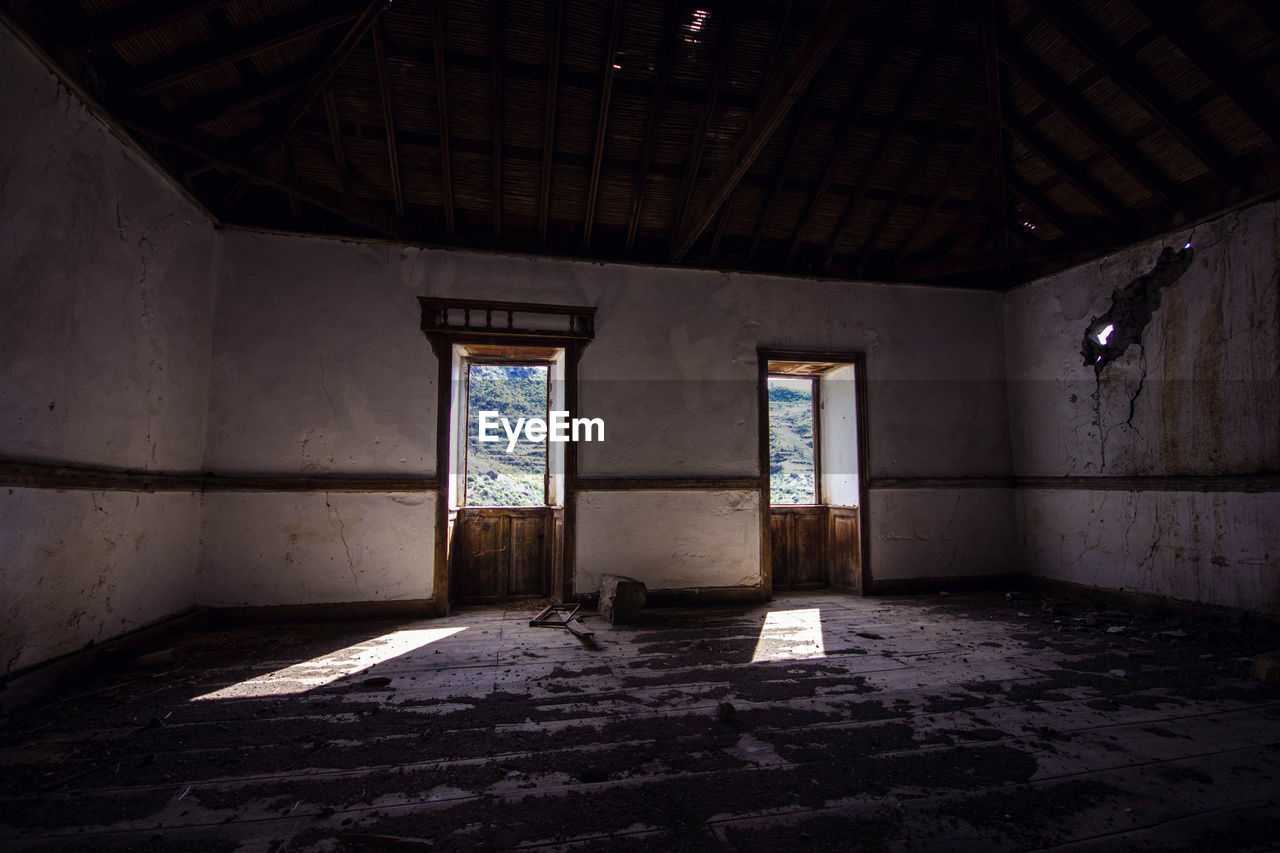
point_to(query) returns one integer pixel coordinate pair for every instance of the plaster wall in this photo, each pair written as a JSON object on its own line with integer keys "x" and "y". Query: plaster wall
{"x": 1198, "y": 396}
{"x": 105, "y": 343}
{"x": 320, "y": 369}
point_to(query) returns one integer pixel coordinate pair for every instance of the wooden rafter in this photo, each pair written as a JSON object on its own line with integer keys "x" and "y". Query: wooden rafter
{"x": 948, "y": 185}
{"x": 844, "y": 138}
{"x": 785, "y": 90}
{"x": 698, "y": 143}
{"x": 1134, "y": 81}
{"x": 388, "y": 115}
{"x": 335, "y": 140}
{"x": 243, "y": 97}
{"x": 798, "y": 137}
{"x": 885, "y": 142}
{"x": 142, "y": 18}
{"x": 1089, "y": 187}
{"x": 602, "y": 121}
{"x": 923, "y": 150}
{"x": 313, "y": 90}
{"x": 639, "y": 181}
{"x": 1220, "y": 66}
{"x": 1037, "y": 198}
{"x": 496, "y": 48}
{"x": 995, "y": 106}
{"x": 1087, "y": 120}
{"x": 245, "y": 43}
{"x": 252, "y": 167}
{"x": 549, "y": 127}
{"x": 442, "y": 113}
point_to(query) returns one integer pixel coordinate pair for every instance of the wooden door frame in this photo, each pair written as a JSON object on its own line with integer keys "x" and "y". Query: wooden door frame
{"x": 443, "y": 332}
{"x": 764, "y": 355}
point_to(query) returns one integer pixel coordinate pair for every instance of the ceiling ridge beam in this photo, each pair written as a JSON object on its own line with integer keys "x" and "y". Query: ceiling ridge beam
{"x": 1088, "y": 120}
{"x": 948, "y": 185}
{"x": 602, "y": 121}
{"x": 318, "y": 83}
{"x": 248, "y": 42}
{"x": 1241, "y": 86}
{"x": 497, "y": 47}
{"x": 388, "y": 115}
{"x": 885, "y": 142}
{"x": 1125, "y": 73}
{"x": 549, "y": 127}
{"x": 822, "y": 39}
{"x": 698, "y": 143}
{"x": 639, "y": 181}
{"x": 442, "y": 114}
{"x": 923, "y": 151}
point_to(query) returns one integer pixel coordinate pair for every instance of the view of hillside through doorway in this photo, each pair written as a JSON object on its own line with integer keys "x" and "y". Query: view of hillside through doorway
{"x": 812, "y": 405}
{"x": 506, "y": 477}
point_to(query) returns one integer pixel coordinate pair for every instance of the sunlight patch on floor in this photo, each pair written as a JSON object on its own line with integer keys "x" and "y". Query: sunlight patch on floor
{"x": 790, "y": 635}
{"x": 328, "y": 668}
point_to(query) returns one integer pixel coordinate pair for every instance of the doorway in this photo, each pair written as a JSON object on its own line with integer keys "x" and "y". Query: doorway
{"x": 813, "y": 446}
{"x": 506, "y": 509}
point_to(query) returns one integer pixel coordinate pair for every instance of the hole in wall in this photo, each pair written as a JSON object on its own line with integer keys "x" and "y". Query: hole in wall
{"x": 1107, "y": 337}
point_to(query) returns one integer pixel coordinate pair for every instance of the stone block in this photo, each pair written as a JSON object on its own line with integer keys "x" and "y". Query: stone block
{"x": 621, "y": 599}
{"x": 1266, "y": 668}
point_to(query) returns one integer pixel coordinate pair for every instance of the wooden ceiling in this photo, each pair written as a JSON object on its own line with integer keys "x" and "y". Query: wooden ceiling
{"x": 967, "y": 143}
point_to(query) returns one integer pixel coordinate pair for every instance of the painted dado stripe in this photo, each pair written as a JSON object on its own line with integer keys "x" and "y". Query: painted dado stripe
{"x": 635, "y": 484}
{"x": 34, "y": 476}
{"x": 1148, "y": 483}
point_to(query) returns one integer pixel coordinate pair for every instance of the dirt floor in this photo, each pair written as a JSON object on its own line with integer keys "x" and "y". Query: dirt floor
{"x": 815, "y": 722}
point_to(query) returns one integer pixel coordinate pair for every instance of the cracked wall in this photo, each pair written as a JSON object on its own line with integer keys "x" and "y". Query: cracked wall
{"x": 104, "y": 339}
{"x": 1196, "y": 395}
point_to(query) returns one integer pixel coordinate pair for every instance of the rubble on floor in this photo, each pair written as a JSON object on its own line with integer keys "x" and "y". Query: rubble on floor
{"x": 957, "y": 722}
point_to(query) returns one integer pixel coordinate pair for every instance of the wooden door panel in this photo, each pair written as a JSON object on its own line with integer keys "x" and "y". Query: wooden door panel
{"x": 809, "y": 555}
{"x": 527, "y": 566}
{"x": 846, "y": 549}
{"x": 483, "y": 561}
{"x": 780, "y": 547}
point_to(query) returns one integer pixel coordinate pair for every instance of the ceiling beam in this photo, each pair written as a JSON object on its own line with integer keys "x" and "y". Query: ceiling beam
{"x": 1127, "y": 74}
{"x": 1260, "y": 184}
{"x": 388, "y": 116}
{"x": 258, "y": 170}
{"x": 924, "y": 149}
{"x": 549, "y": 127}
{"x": 317, "y": 84}
{"x": 1222, "y": 68}
{"x": 1036, "y": 197}
{"x": 995, "y": 107}
{"x": 496, "y": 46}
{"x": 442, "y": 113}
{"x": 698, "y": 144}
{"x": 640, "y": 178}
{"x": 1268, "y": 11}
{"x": 783, "y": 92}
{"x": 272, "y": 33}
{"x": 335, "y": 140}
{"x": 1089, "y": 187}
{"x": 798, "y": 137}
{"x": 844, "y": 137}
{"x": 883, "y": 145}
{"x": 141, "y": 18}
{"x": 247, "y": 96}
{"x": 1087, "y": 120}
{"x": 948, "y": 185}
{"x": 602, "y": 121}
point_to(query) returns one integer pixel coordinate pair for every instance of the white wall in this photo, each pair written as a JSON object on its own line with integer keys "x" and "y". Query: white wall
{"x": 1200, "y": 396}
{"x": 320, "y": 368}
{"x": 104, "y": 342}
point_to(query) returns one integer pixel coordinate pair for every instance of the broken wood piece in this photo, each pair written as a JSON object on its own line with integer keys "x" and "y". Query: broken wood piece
{"x": 396, "y": 841}
{"x": 1266, "y": 667}
{"x": 621, "y": 598}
